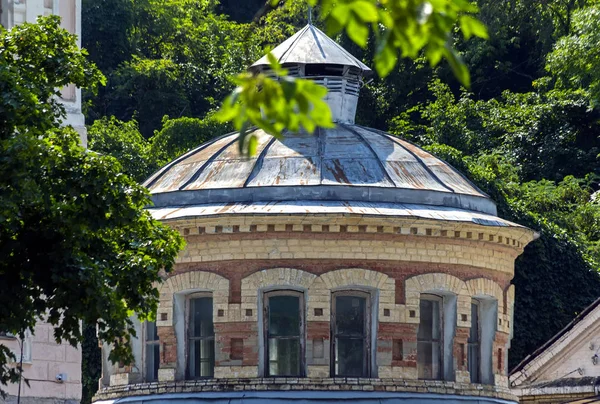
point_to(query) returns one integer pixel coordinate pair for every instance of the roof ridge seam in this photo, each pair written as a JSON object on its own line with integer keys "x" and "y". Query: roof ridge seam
{"x": 161, "y": 172}
{"x": 381, "y": 165}
{"x": 294, "y": 43}
{"x": 421, "y": 162}
{"x": 206, "y": 163}
{"x": 259, "y": 161}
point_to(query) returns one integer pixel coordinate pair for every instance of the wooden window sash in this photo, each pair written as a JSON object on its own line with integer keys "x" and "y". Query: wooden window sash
{"x": 366, "y": 337}
{"x": 302, "y": 330}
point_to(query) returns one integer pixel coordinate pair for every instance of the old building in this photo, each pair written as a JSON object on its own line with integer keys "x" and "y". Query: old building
{"x": 53, "y": 370}
{"x": 345, "y": 265}
{"x": 567, "y": 367}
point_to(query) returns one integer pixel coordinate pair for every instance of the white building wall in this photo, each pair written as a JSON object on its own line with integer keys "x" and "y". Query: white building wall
{"x": 575, "y": 359}
{"x": 43, "y": 361}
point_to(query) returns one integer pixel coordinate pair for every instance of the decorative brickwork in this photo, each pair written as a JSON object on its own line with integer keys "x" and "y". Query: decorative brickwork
{"x": 437, "y": 282}
{"x": 308, "y": 384}
{"x": 237, "y": 264}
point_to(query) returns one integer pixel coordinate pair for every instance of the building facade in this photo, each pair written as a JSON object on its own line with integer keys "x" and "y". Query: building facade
{"x": 345, "y": 265}
{"x": 53, "y": 370}
{"x": 567, "y": 367}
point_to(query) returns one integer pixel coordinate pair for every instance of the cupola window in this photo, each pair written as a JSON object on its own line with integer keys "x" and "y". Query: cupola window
{"x": 284, "y": 333}
{"x": 201, "y": 337}
{"x": 322, "y": 69}
{"x": 152, "y": 346}
{"x": 351, "y": 334}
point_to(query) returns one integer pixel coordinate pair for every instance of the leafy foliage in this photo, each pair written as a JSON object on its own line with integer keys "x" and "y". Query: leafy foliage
{"x": 274, "y": 105}
{"x": 123, "y": 141}
{"x": 544, "y": 134}
{"x": 180, "y": 135}
{"x": 181, "y": 55}
{"x": 76, "y": 241}
{"x": 575, "y": 58}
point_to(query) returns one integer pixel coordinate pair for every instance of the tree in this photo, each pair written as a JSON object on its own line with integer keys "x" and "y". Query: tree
{"x": 123, "y": 141}
{"x": 180, "y": 57}
{"x": 180, "y": 135}
{"x": 75, "y": 240}
{"x": 575, "y": 58}
{"x": 546, "y": 134}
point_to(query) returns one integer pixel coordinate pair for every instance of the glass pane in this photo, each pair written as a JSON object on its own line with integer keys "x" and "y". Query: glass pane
{"x": 429, "y": 325}
{"x": 428, "y": 360}
{"x": 152, "y": 362}
{"x": 284, "y": 316}
{"x": 429, "y": 336}
{"x": 473, "y": 363}
{"x": 474, "y": 333}
{"x": 349, "y": 357}
{"x": 151, "y": 331}
{"x": 350, "y": 315}
{"x": 202, "y": 359}
{"x": 201, "y": 317}
{"x": 284, "y": 357}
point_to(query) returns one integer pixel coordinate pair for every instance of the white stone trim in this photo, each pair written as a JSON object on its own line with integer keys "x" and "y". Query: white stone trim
{"x": 564, "y": 342}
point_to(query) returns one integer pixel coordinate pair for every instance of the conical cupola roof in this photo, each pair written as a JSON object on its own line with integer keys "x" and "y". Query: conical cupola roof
{"x": 310, "y": 45}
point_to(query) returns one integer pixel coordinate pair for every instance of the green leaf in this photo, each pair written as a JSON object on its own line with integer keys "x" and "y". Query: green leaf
{"x": 366, "y": 11}
{"x": 358, "y": 32}
{"x": 458, "y": 66}
{"x": 252, "y": 145}
{"x": 471, "y": 26}
{"x": 385, "y": 61}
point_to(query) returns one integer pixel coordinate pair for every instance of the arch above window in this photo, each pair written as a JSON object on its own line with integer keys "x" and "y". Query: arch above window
{"x": 438, "y": 283}
{"x": 188, "y": 282}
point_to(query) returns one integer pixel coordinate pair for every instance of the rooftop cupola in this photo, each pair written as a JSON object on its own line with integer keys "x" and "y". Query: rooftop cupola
{"x": 311, "y": 54}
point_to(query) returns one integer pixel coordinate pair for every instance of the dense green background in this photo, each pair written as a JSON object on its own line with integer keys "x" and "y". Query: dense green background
{"x": 526, "y": 132}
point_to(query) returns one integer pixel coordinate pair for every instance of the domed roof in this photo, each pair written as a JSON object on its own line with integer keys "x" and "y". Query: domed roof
{"x": 348, "y": 170}
{"x": 350, "y": 164}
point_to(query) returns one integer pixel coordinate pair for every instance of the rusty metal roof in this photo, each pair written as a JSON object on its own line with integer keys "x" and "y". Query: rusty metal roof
{"x": 310, "y": 45}
{"x": 349, "y": 163}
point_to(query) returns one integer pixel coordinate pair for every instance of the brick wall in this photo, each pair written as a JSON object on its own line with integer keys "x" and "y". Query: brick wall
{"x": 236, "y": 262}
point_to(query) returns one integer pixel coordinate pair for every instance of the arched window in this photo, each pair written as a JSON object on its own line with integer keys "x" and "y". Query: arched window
{"x": 284, "y": 333}
{"x": 429, "y": 338}
{"x": 200, "y": 336}
{"x": 152, "y": 352}
{"x": 351, "y": 334}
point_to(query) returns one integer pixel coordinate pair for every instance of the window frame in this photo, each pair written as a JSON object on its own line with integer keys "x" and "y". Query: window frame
{"x": 440, "y": 299}
{"x": 145, "y": 351}
{"x": 189, "y": 338}
{"x": 367, "y": 351}
{"x": 301, "y": 337}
